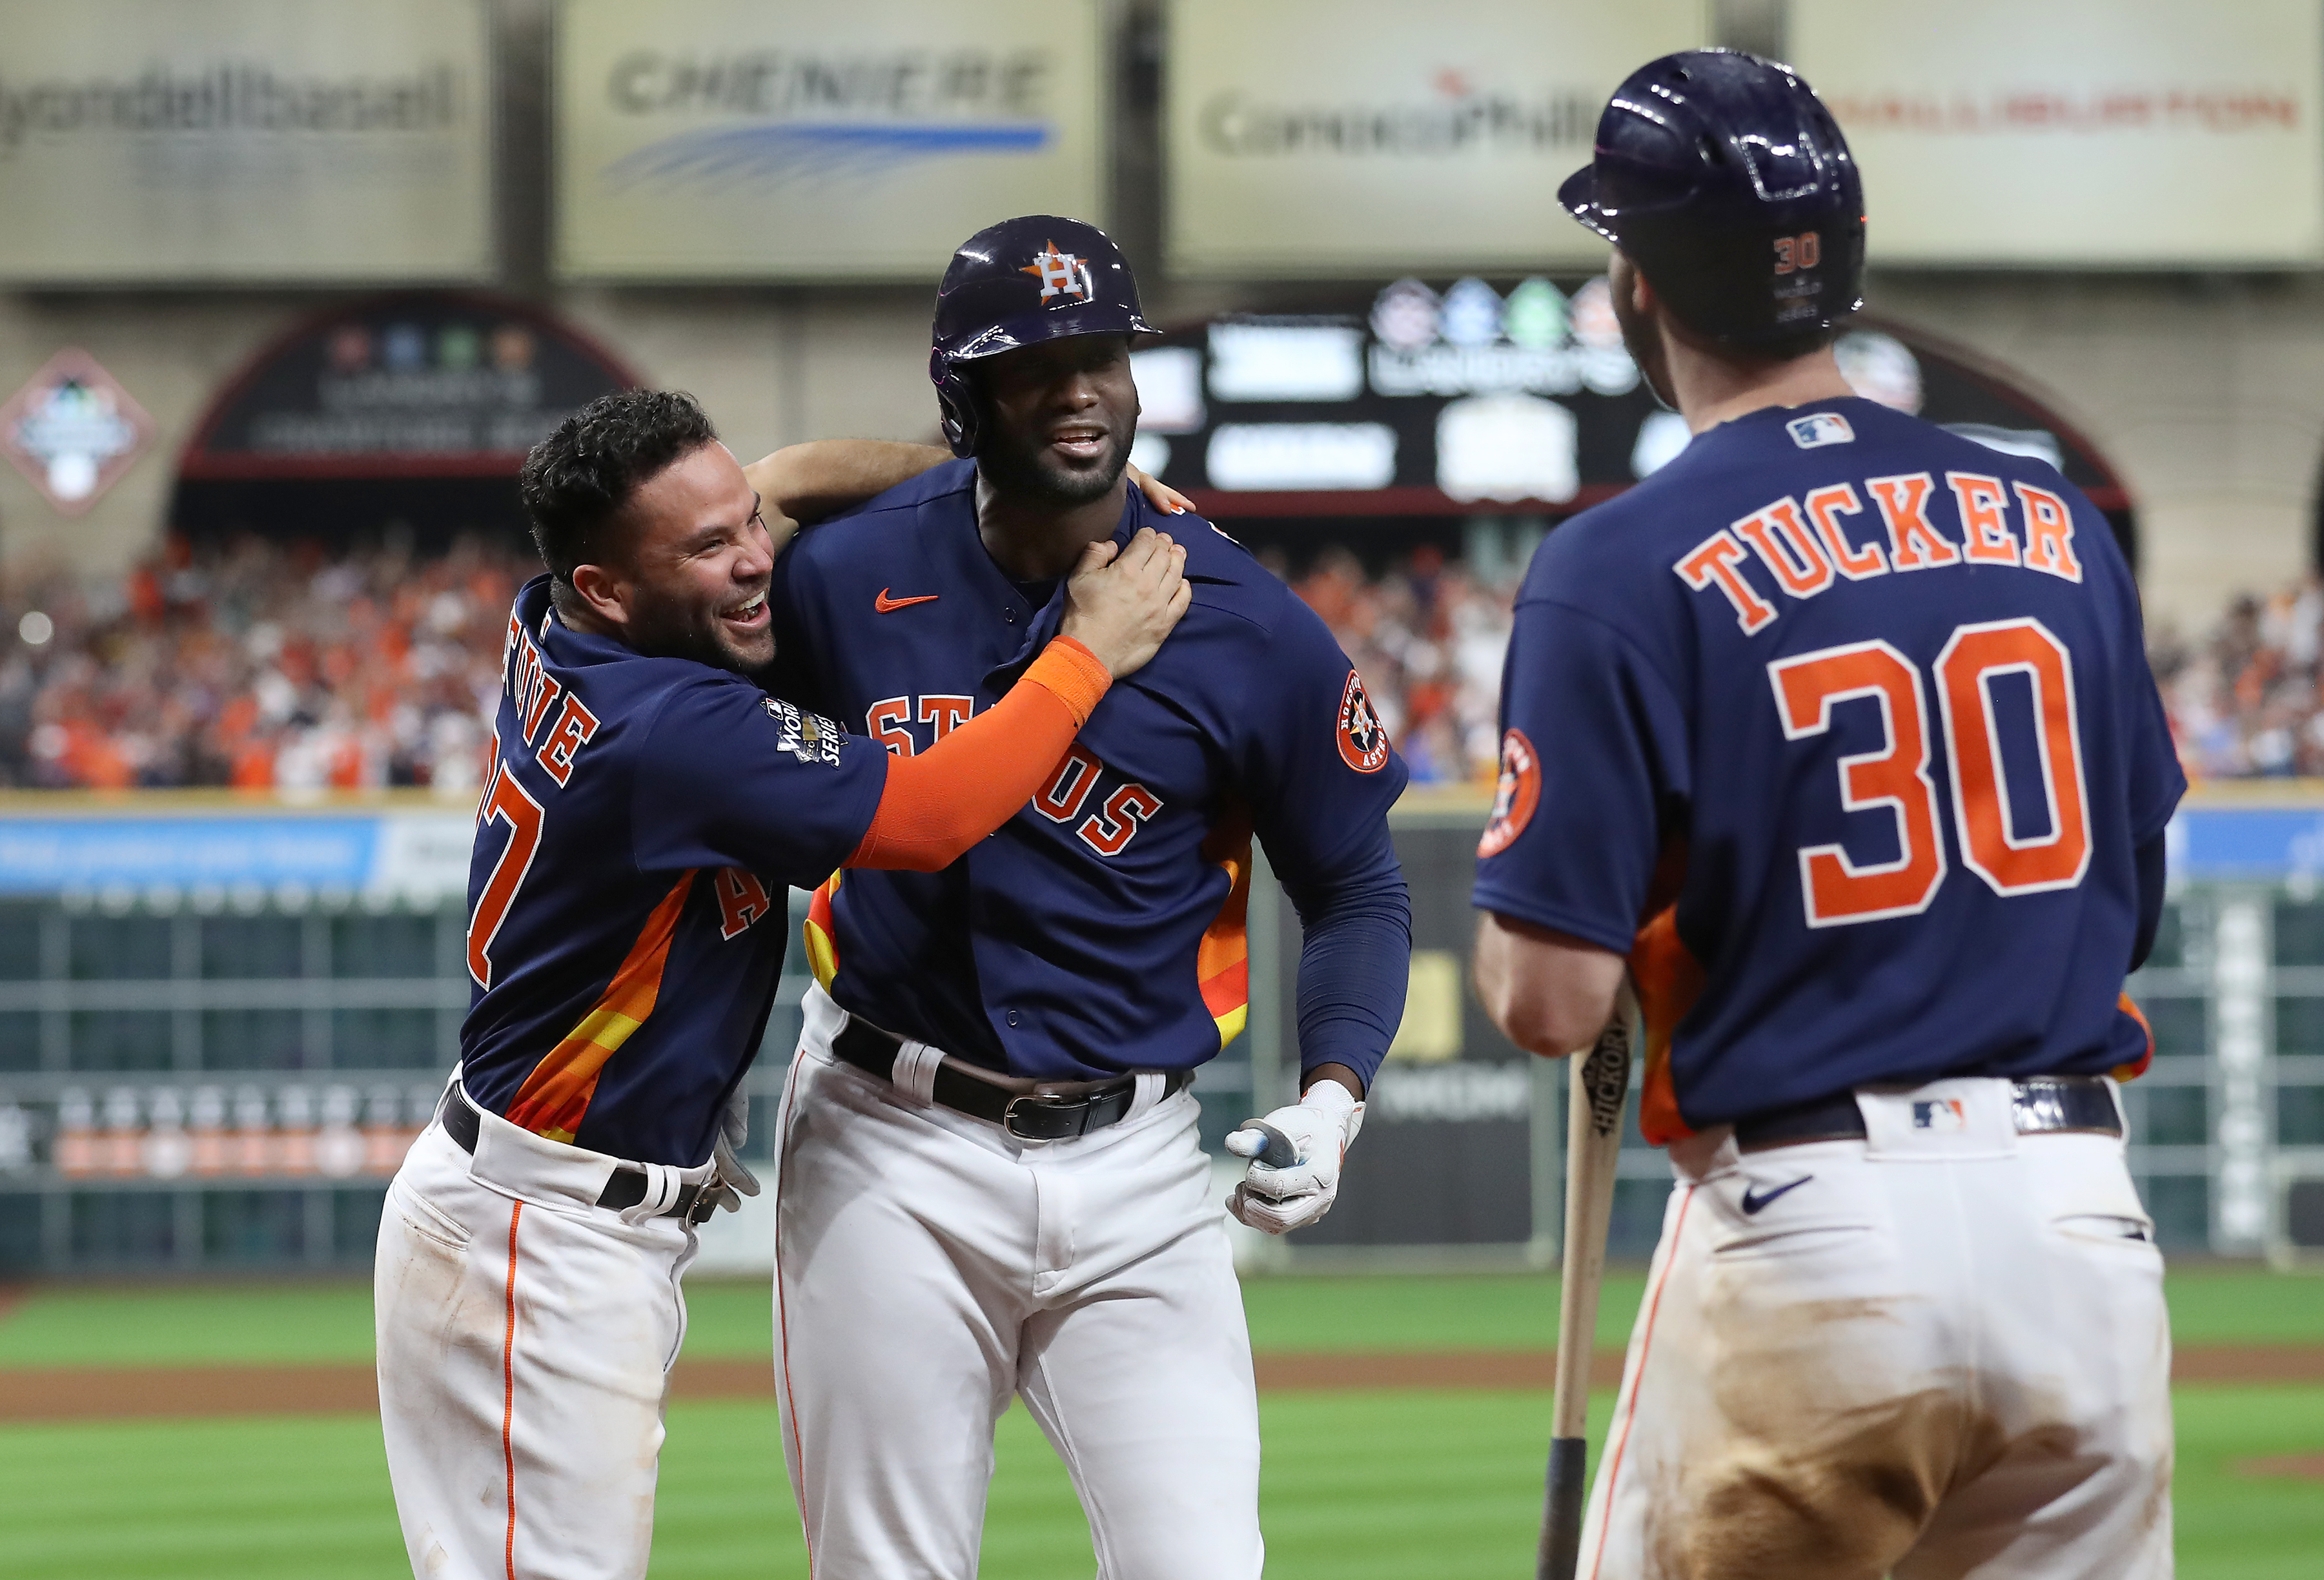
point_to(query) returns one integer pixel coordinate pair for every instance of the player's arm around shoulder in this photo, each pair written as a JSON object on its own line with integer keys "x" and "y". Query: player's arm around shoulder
{"x": 727, "y": 775}
{"x": 1122, "y": 601}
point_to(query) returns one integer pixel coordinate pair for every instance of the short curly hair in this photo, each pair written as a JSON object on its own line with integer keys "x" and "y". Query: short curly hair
{"x": 576, "y": 481}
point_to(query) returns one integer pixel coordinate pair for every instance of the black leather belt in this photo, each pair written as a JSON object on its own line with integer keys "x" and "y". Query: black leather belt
{"x": 1032, "y": 1111}
{"x": 2038, "y": 1104}
{"x": 626, "y": 1188}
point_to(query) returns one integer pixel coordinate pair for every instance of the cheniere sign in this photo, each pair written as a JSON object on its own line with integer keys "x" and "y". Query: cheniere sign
{"x": 720, "y": 139}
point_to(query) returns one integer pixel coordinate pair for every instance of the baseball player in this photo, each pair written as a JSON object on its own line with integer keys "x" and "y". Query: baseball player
{"x": 990, "y": 1182}
{"x": 646, "y": 805}
{"x": 1838, "y": 730}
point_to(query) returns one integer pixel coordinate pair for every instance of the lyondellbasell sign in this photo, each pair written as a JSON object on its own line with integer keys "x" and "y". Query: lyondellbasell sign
{"x": 240, "y": 141}
{"x": 73, "y": 431}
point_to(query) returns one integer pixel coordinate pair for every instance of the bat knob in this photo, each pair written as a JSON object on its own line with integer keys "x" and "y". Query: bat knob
{"x": 1280, "y": 1151}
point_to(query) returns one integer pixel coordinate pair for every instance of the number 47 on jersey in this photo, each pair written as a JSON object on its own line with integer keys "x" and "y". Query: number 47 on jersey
{"x": 1839, "y": 891}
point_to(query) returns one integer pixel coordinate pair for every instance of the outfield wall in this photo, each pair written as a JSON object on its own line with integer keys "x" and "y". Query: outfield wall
{"x": 221, "y": 1022}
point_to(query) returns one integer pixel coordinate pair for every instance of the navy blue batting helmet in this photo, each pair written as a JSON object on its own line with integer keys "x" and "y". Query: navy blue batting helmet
{"x": 1038, "y": 277}
{"x": 1727, "y": 183}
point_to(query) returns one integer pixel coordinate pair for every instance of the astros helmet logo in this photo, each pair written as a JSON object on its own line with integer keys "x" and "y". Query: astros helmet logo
{"x": 1061, "y": 274}
{"x": 1363, "y": 739}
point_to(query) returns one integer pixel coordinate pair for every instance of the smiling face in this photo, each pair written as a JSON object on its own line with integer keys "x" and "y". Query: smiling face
{"x": 1060, "y": 418}
{"x": 696, "y": 562}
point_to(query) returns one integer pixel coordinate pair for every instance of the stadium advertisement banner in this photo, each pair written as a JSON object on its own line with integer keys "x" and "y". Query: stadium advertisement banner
{"x": 414, "y": 384}
{"x": 786, "y": 140}
{"x": 2078, "y": 133}
{"x": 1419, "y": 398}
{"x": 1317, "y": 137}
{"x": 245, "y": 140}
{"x": 244, "y": 859}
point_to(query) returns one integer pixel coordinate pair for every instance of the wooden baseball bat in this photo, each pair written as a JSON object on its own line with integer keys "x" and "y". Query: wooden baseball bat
{"x": 1593, "y": 1139}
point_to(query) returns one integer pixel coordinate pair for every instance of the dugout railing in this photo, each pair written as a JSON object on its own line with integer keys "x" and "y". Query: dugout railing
{"x": 219, "y": 1029}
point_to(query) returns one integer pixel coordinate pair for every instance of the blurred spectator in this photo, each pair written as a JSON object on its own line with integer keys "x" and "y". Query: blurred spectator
{"x": 1427, "y": 637}
{"x": 272, "y": 667}
{"x": 2247, "y": 700}
{"x": 260, "y": 666}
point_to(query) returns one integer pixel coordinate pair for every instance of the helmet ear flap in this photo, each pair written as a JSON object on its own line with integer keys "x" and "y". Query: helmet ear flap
{"x": 956, "y": 404}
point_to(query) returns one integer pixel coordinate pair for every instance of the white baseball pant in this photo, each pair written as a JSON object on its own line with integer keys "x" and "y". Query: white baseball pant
{"x": 929, "y": 1266}
{"x": 525, "y": 1338}
{"x": 1939, "y": 1352}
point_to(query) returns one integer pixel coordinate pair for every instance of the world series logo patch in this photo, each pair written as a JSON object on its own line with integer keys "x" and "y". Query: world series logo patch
{"x": 1515, "y": 796}
{"x": 808, "y": 736}
{"x": 1363, "y": 739}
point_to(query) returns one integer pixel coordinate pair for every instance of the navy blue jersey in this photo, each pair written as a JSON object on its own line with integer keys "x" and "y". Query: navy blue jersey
{"x": 1100, "y": 929}
{"x": 626, "y": 899}
{"x": 1869, "y": 703}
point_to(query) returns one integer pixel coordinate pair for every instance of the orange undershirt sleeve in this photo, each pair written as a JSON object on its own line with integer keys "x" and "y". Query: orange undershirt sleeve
{"x": 938, "y": 804}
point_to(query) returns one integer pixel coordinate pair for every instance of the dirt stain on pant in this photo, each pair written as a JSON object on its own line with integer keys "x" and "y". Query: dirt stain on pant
{"x": 1806, "y": 1494}
{"x": 1812, "y": 1469}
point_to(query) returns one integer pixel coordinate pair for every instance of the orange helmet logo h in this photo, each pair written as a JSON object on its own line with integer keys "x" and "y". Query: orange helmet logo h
{"x": 1061, "y": 274}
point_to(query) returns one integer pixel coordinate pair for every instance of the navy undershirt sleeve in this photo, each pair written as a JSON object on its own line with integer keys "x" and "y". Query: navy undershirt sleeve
{"x": 1352, "y": 962}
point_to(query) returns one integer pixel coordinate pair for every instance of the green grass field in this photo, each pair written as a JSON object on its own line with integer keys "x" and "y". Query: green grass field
{"x": 1358, "y": 1484}
{"x": 311, "y": 1322}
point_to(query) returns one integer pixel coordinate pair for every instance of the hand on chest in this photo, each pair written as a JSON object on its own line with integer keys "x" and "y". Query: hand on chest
{"x": 1135, "y": 765}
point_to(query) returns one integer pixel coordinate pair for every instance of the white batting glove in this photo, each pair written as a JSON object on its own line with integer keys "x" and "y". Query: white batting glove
{"x": 1276, "y": 1198}
{"x": 731, "y": 1178}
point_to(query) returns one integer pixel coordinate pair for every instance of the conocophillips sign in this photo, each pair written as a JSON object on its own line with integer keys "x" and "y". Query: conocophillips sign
{"x": 726, "y": 140}
{"x": 1312, "y": 137}
{"x": 245, "y": 140}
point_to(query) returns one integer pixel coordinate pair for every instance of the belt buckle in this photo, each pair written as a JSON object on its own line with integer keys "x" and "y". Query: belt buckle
{"x": 1035, "y": 1103}
{"x": 704, "y": 1204}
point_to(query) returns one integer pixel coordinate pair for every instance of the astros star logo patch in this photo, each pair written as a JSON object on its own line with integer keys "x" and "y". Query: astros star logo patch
{"x": 1061, "y": 274}
{"x": 1363, "y": 739}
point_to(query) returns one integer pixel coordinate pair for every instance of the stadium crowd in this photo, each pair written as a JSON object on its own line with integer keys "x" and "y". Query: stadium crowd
{"x": 2246, "y": 698}
{"x": 1427, "y": 637}
{"x": 266, "y": 666}
{"x": 259, "y": 665}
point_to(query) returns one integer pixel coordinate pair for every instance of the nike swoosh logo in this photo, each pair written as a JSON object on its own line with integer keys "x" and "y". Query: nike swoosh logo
{"x": 1752, "y": 1200}
{"x": 885, "y": 604}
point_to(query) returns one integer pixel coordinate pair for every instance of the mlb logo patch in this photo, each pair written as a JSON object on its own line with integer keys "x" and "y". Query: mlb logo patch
{"x": 1819, "y": 428}
{"x": 1945, "y": 1113}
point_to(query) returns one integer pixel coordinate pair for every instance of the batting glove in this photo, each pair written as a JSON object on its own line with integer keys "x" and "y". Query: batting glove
{"x": 731, "y": 1178}
{"x": 1276, "y": 1197}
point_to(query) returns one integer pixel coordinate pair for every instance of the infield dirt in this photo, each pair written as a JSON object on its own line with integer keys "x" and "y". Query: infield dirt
{"x": 65, "y": 1393}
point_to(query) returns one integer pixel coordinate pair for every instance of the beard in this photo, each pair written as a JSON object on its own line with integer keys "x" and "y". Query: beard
{"x": 1645, "y": 349}
{"x": 1021, "y": 465}
{"x": 670, "y": 628}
